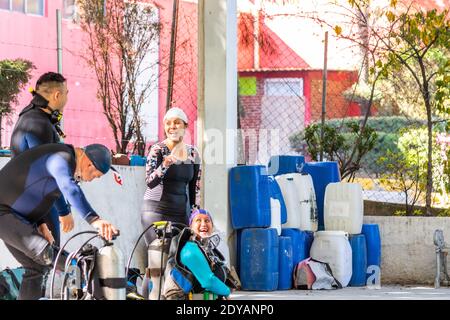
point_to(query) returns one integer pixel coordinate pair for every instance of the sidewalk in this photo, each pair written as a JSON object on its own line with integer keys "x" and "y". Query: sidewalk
{"x": 387, "y": 292}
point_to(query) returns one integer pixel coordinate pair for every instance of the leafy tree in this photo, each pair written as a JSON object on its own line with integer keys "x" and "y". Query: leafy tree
{"x": 120, "y": 35}
{"x": 402, "y": 174}
{"x": 14, "y": 75}
{"x": 415, "y": 41}
{"x": 406, "y": 168}
{"x": 339, "y": 144}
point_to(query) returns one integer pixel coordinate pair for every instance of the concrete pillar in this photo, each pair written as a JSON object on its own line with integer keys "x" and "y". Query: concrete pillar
{"x": 217, "y": 107}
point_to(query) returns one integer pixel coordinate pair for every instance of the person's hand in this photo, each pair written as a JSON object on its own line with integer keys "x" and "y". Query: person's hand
{"x": 46, "y": 233}
{"x": 66, "y": 222}
{"x": 169, "y": 160}
{"x": 105, "y": 229}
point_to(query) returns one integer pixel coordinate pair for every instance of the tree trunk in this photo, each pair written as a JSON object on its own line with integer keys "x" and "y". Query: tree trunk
{"x": 1, "y": 128}
{"x": 430, "y": 156}
{"x": 426, "y": 99}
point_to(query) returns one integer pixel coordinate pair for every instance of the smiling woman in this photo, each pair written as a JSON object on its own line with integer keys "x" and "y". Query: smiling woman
{"x": 172, "y": 178}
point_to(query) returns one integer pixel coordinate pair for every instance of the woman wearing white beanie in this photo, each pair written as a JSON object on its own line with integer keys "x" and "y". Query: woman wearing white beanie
{"x": 172, "y": 168}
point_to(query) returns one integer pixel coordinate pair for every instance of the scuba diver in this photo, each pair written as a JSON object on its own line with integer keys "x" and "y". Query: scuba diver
{"x": 39, "y": 123}
{"x": 30, "y": 183}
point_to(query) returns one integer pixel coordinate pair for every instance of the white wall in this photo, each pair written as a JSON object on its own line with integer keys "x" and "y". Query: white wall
{"x": 407, "y": 249}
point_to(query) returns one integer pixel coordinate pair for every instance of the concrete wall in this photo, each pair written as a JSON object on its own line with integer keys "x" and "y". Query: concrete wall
{"x": 407, "y": 255}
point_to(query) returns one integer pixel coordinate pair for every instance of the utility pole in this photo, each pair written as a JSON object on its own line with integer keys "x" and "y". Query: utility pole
{"x": 324, "y": 93}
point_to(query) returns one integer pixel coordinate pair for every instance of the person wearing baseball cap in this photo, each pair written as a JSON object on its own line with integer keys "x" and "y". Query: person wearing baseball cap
{"x": 30, "y": 183}
{"x": 100, "y": 157}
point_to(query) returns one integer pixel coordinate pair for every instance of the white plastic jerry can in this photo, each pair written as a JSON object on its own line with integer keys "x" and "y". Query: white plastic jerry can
{"x": 309, "y": 218}
{"x": 291, "y": 199}
{"x": 344, "y": 207}
{"x": 275, "y": 215}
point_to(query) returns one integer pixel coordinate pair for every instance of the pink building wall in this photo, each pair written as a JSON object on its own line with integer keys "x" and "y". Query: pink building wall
{"x": 34, "y": 38}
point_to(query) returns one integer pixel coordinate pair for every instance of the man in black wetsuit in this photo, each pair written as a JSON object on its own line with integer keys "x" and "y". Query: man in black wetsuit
{"x": 29, "y": 185}
{"x": 38, "y": 124}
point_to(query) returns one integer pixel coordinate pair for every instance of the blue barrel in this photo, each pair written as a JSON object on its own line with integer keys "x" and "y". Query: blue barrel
{"x": 275, "y": 192}
{"x": 322, "y": 173}
{"x": 136, "y": 160}
{"x": 359, "y": 260}
{"x": 285, "y": 164}
{"x": 286, "y": 263}
{"x": 301, "y": 243}
{"x": 249, "y": 197}
{"x": 259, "y": 259}
{"x": 238, "y": 249}
{"x": 373, "y": 243}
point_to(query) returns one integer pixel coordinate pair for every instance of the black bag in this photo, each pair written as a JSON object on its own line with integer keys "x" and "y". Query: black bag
{"x": 10, "y": 280}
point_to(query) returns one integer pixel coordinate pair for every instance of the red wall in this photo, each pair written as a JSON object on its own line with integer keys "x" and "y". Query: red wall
{"x": 337, "y": 83}
{"x": 337, "y": 105}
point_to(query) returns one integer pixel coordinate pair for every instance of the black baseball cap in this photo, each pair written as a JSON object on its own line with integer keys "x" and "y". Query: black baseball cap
{"x": 100, "y": 156}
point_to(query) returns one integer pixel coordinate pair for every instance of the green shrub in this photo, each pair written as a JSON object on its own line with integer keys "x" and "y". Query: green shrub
{"x": 388, "y": 130}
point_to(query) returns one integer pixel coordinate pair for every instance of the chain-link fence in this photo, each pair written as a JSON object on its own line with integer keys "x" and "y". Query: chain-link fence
{"x": 281, "y": 104}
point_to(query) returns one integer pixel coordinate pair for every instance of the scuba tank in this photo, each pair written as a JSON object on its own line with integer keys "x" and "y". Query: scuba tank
{"x": 158, "y": 252}
{"x": 111, "y": 271}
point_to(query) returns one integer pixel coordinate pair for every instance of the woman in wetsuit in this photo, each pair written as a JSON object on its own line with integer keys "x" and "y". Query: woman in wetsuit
{"x": 172, "y": 176}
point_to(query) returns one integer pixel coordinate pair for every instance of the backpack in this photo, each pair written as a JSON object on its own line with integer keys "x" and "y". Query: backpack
{"x": 313, "y": 274}
{"x": 10, "y": 280}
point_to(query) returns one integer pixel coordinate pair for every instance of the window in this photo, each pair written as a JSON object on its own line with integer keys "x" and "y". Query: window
{"x": 35, "y": 7}
{"x": 69, "y": 9}
{"x": 18, "y": 5}
{"x": 4, "y": 4}
{"x": 284, "y": 87}
{"x": 25, "y": 6}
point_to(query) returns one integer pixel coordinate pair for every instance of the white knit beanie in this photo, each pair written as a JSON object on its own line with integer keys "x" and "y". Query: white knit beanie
{"x": 176, "y": 112}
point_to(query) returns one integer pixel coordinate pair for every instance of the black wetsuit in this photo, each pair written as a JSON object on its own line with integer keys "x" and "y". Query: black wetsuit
{"x": 171, "y": 192}
{"x": 34, "y": 128}
{"x": 30, "y": 183}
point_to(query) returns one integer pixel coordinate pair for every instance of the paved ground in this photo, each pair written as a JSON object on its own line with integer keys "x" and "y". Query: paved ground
{"x": 351, "y": 293}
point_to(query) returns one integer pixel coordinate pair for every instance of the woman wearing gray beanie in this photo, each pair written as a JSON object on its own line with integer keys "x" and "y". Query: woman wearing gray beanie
{"x": 172, "y": 176}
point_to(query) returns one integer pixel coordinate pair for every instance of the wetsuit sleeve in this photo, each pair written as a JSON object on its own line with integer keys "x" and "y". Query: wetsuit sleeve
{"x": 42, "y": 133}
{"x": 58, "y": 167}
{"x": 154, "y": 169}
{"x": 194, "y": 184}
{"x": 192, "y": 257}
{"x": 62, "y": 207}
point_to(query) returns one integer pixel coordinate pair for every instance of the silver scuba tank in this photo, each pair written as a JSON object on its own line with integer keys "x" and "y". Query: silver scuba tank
{"x": 111, "y": 271}
{"x": 157, "y": 250}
